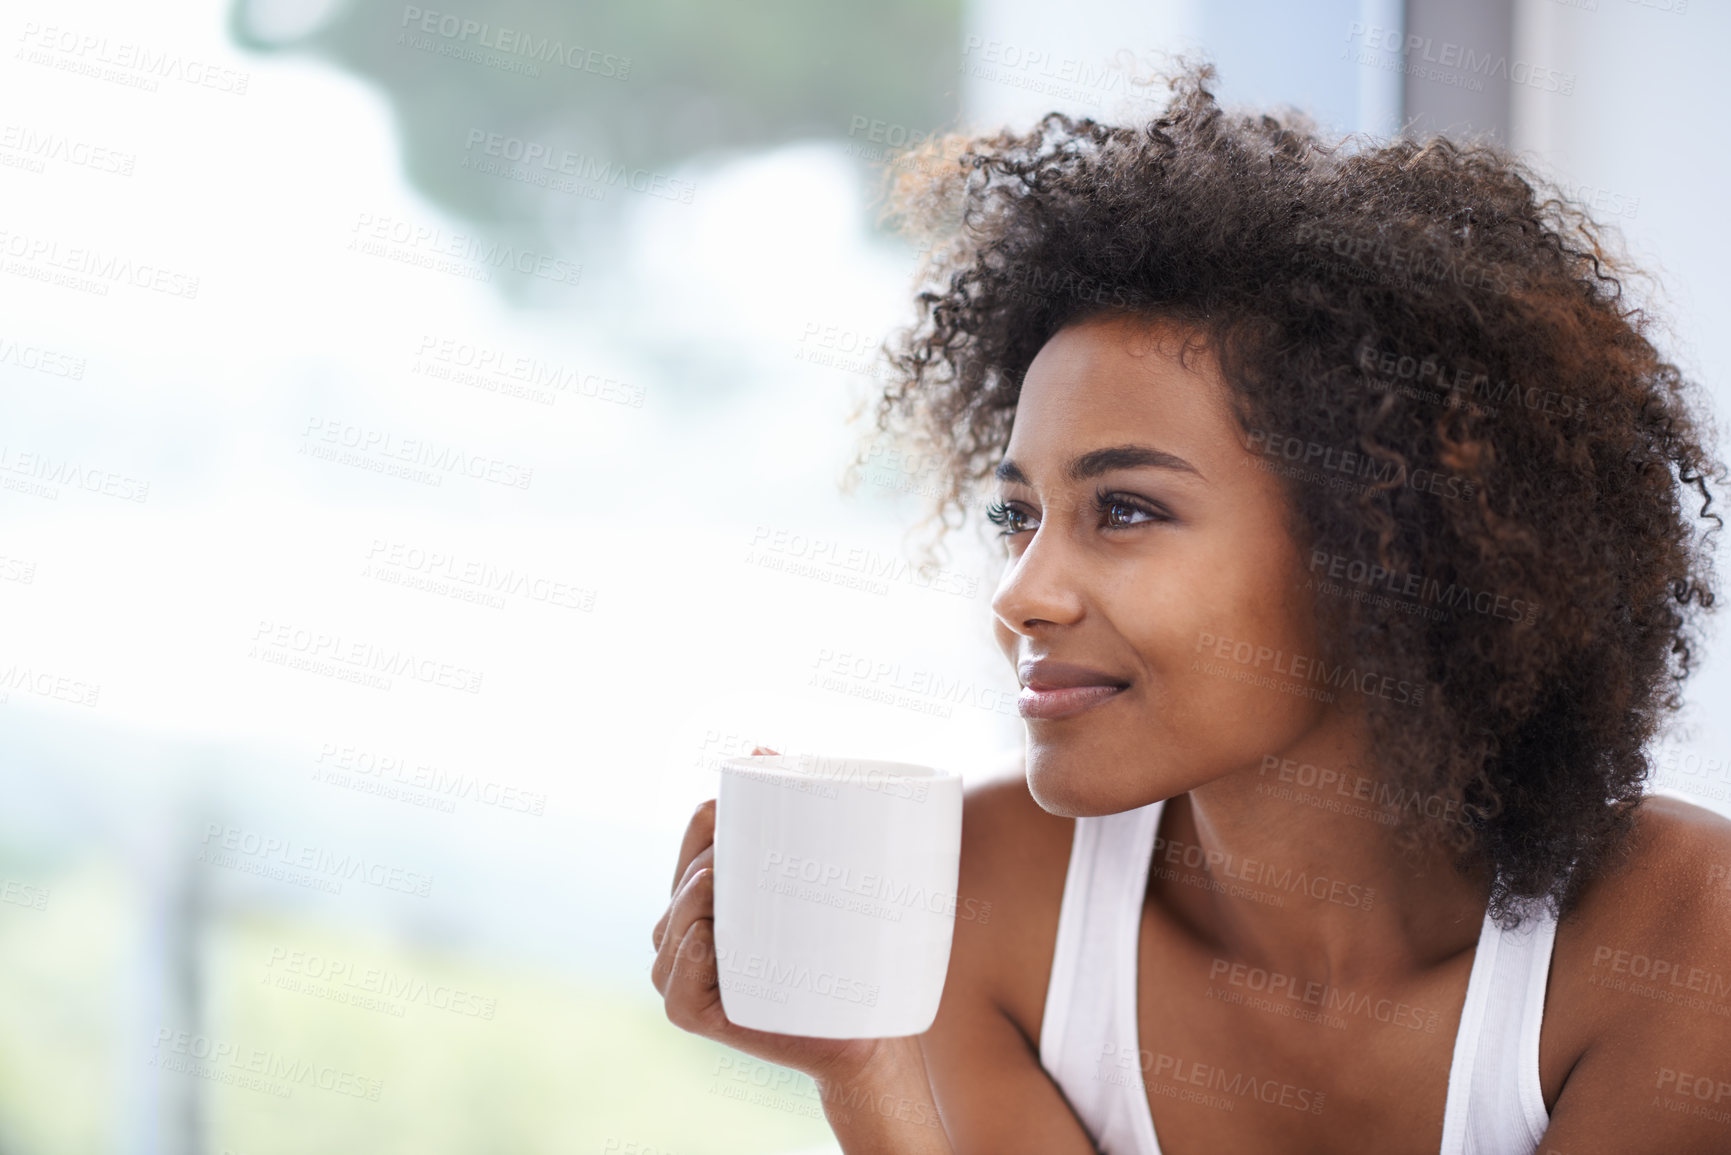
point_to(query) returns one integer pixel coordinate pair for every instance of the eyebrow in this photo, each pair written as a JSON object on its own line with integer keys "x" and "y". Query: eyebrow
{"x": 1099, "y": 461}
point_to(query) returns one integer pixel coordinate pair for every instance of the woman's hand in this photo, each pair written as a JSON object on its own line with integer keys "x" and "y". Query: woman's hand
{"x": 684, "y": 971}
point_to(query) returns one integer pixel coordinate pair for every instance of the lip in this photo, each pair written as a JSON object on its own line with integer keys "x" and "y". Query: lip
{"x": 1052, "y": 689}
{"x": 1051, "y": 674}
{"x": 1047, "y": 705}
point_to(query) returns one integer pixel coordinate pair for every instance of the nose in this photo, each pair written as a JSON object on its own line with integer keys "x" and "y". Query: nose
{"x": 1039, "y": 587}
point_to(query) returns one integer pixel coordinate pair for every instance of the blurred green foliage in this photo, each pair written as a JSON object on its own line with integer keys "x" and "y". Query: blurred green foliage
{"x": 656, "y": 83}
{"x": 562, "y": 1066}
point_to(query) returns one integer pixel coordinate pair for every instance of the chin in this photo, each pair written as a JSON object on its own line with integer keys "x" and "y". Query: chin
{"x": 1073, "y": 786}
{"x": 1064, "y": 787}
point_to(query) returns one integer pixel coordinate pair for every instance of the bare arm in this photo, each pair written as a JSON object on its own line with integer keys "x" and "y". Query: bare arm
{"x": 996, "y": 1100}
{"x": 985, "y": 1074}
{"x": 888, "y": 1108}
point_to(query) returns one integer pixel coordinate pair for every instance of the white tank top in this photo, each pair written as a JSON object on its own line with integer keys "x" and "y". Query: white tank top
{"x": 1494, "y": 1106}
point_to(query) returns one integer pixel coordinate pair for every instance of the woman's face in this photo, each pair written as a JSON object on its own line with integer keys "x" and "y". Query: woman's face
{"x": 1184, "y": 553}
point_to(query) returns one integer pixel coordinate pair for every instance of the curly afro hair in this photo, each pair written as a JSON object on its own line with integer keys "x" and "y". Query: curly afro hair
{"x": 1429, "y": 310}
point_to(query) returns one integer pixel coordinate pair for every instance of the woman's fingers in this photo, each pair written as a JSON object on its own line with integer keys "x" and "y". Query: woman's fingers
{"x": 705, "y": 858}
{"x": 684, "y": 935}
{"x": 699, "y": 832}
{"x": 695, "y": 901}
{"x": 693, "y": 998}
{"x": 699, "y": 835}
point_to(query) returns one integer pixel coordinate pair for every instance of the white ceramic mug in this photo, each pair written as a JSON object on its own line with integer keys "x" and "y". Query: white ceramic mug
{"x": 835, "y": 893}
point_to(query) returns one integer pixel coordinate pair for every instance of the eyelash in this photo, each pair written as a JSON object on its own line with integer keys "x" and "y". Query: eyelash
{"x": 999, "y": 513}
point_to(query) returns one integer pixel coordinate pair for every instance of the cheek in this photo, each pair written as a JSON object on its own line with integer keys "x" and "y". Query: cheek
{"x": 1220, "y": 642}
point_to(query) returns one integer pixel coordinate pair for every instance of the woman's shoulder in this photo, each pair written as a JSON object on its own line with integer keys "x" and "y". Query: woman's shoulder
{"x": 1014, "y": 858}
{"x": 1641, "y": 971}
{"x": 1003, "y": 823}
{"x": 1011, "y": 846}
{"x": 1671, "y": 884}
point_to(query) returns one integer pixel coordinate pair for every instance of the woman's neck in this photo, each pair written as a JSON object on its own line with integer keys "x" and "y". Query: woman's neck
{"x": 1291, "y": 865}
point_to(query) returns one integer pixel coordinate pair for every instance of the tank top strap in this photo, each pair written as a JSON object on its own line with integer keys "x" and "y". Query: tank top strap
{"x": 1088, "y": 1036}
{"x": 1496, "y": 1105}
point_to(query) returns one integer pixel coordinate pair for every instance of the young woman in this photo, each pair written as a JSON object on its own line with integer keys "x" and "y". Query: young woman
{"x": 1352, "y": 543}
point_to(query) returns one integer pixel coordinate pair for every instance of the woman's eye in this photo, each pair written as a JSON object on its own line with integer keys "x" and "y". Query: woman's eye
{"x": 1119, "y": 513}
{"x": 1117, "y": 509}
{"x": 1010, "y": 518}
